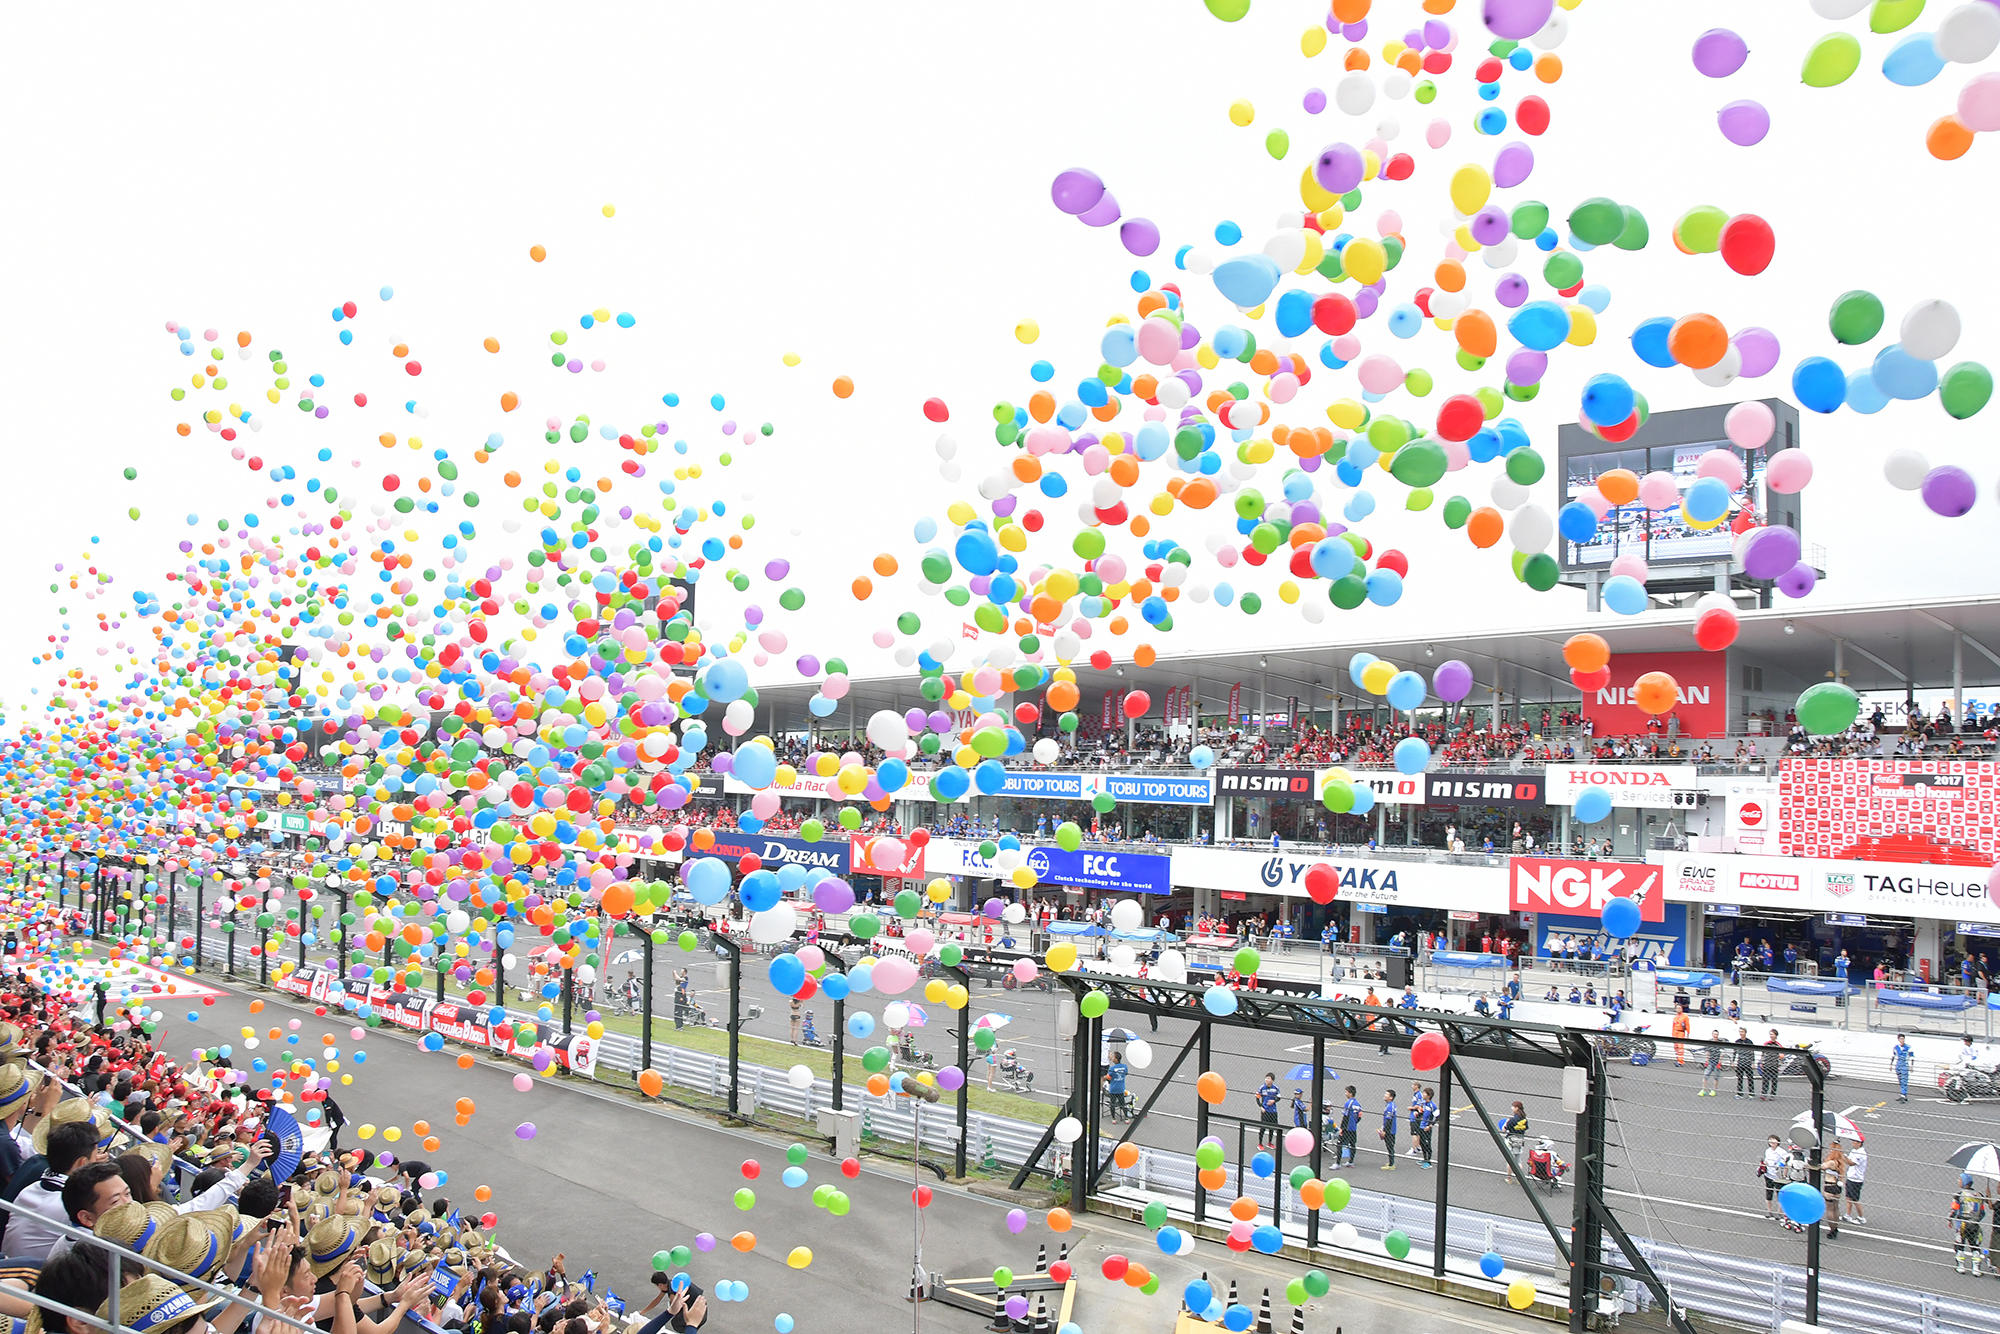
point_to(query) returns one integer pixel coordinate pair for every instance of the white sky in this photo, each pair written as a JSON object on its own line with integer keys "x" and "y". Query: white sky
{"x": 867, "y": 186}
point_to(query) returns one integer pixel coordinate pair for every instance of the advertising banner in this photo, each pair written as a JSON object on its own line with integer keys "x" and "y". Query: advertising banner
{"x": 828, "y": 854}
{"x": 1036, "y": 785}
{"x": 1279, "y": 784}
{"x": 461, "y": 1023}
{"x": 1484, "y": 789}
{"x": 1559, "y": 885}
{"x": 1663, "y": 942}
{"x": 911, "y": 868}
{"x": 1132, "y": 872}
{"x": 1703, "y": 710}
{"x": 1235, "y": 701}
{"x": 1890, "y": 810}
{"x": 1363, "y": 880}
{"x": 1648, "y": 786}
{"x": 1956, "y": 893}
{"x": 1390, "y": 788}
{"x": 1162, "y": 789}
{"x": 1753, "y": 820}
{"x": 804, "y": 785}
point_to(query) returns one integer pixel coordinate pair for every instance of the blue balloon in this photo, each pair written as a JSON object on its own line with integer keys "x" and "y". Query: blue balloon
{"x": 708, "y": 880}
{"x": 1247, "y": 281}
{"x": 1621, "y": 918}
{"x": 1238, "y": 1318}
{"x": 1201, "y": 757}
{"x": 1576, "y": 522}
{"x": 1913, "y": 62}
{"x": 1484, "y": 446}
{"x": 1818, "y": 384}
{"x": 1405, "y": 321}
{"x": 1490, "y": 1264}
{"x": 1406, "y": 691}
{"x": 1294, "y": 313}
{"x": 1412, "y": 755}
{"x": 1357, "y": 665}
{"x": 1197, "y": 1295}
{"x": 1649, "y": 342}
{"x": 1802, "y": 1203}
{"x": 1900, "y": 375}
{"x": 860, "y": 1024}
{"x": 759, "y": 890}
{"x": 1364, "y": 801}
{"x": 1169, "y": 1239}
{"x": 787, "y": 974}
{"x": 977, "y": 552}
{"x": 952, "y": 783}
{"x": 1592, "y": 805}
{"x": 836, "y": 987}
{"x": 782, "y": 1323}
{"x": 1219, "y": 1001}
{"x": 1594, "y": 297}
{"x": 1707, "y": 499}
{"x": 1624, "y": 594}
{"x": 1863, "y": 394}
{"x": 821, "y": 707}
{"x": 1385, "y": 587}
{"x": 990, "y": 777}
{"x": 725, "y": 680}
{"x": 1540, "y": 325}
{"x": 1359, "y": 506}
{"x": 1608, "y": 399}
{"x": 1267, "y": 1240}
{"x": 1263, "y": 1164}
{"x": 793, "y": 1176}
{"x": 1332, "y": 557}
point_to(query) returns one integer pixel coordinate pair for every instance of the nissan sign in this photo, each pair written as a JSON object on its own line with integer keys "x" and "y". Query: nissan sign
{"x": 1560, "y": 885}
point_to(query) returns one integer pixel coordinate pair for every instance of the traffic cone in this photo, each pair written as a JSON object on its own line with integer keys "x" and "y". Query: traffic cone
{"x": 1264, "y": 1314}
{"x": 1232, "y": 1293}
{"x": 1298, "y": 1320}
{"x": 1042, "y": 1258}
{"x": 1044, "y": 1322}
{"x": 1062, "y": 1251}
{"x": 999, "y": 1324}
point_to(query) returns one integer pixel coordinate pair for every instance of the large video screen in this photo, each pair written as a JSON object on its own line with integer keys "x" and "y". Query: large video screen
{"x": 1661, "y": 537}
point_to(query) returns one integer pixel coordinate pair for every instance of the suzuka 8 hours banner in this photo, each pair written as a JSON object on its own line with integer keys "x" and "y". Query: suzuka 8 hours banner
{"x": 1908, "y": 810}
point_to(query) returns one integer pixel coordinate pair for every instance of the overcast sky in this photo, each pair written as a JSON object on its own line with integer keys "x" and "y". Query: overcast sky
{"x": 868, "y": 187}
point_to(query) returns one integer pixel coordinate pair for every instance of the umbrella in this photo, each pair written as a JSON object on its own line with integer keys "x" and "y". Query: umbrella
{"x": 1119, "y": 1035}
{"x": 629, "y": 956}
{"x": 1305, "y": 1071}
{"x": 1841, "y": 1125}
{"x": 919, "y": 1016}
{"x": 1980, "y": 1158}
{"x": 996, "y": 1022}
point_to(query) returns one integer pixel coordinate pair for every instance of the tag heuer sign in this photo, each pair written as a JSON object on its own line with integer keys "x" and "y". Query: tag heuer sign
{"x": 1290, "y": 783}
{"x": 1839, "y": 883}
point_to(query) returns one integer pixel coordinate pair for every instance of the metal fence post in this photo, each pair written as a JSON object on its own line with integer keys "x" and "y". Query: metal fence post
{"x": 340, "y": 950}
{"x": 646, "y": 999}
{"x": 200, "y": 889}
{"x": 1318, "y": 1127}
{"x": 964, "y": 1066}
{"x": 173, "y": 894}
{"x": 1440, "y": 1224}
{"x": 1204, "y": 1053}
{"x": 568, "y": 998}
{"x": 232, "y": 934}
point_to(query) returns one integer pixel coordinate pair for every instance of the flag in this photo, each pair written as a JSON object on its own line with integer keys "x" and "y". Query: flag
{"x": 1106, "y": 723}
{"x": 967, "y": 630}
{"x": 1235, "y": 702}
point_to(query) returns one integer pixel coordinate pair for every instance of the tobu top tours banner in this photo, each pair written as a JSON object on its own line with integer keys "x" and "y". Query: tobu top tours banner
{"x": 1703, "y": 709}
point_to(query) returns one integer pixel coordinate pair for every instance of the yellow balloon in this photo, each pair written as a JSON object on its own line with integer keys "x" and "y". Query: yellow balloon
{"x": 366, "y": 1132}
{"x": 1288, "y": 591}
{"x": 1205, "y": 357}
{"x": 1241, "y": 112}
{"x": 1582, "y": 326}
{"x": 1365, "y": 260}
{"x": 1471, "y": 187}
{"x": 1061, "y": 957}
{"x": 1315, "y": 196}
{"x": 594, "y": 1029}
{"x": 1347, "y": 414}
{"x": 960, "y": 513}
{"x": 1375, "y": 677}
{"x": 800, "y": 1257}
{"x": 1520, "y": 1294}
{"x": 956, "y": 996}
{"x": 1315, "y": 252}
{"x": 1027, "y": 331}
{"x": 1024, "y": 878}
{"x": 791, "y": 358}
{"x": 1312, "y": 41}
{"x": 934, "y": 991}
{"x": 392, "y": 1134}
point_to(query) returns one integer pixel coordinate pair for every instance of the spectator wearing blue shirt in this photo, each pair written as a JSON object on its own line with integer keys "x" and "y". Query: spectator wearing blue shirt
{"x": 1267, "y": 1110}
{"x": 1114, "y": 1083}
{"x": 1424, "y": 1124}
{"x": 1841, "y": 965}
{"x": 1328, "y": 936}
{"x": 1506, "y": 1007}
{"x": 1350, "y": 1128}
{"x": 1514, "y": 987}
{"x": 1791, "y": 958}
{"x": 1408, "y": 1001}
{"x": 1388, "y": 1131}
{"x": 1300, "y": 1112}
{"x": 1903, "y": 1054}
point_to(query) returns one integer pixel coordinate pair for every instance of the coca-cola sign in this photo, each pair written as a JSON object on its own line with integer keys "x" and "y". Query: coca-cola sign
{"x": 1566, "y": 885}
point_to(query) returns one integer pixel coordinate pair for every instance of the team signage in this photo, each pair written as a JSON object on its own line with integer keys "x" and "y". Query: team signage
{"x": 1132, "y": 872}
{"x": 859, "y": 847}
{"x": 1829, "y": 808}
{"x": 1702, "y": 707}
{"x": 1557, "y": 885}
{"x": 1753, "y": 818}
{"x": 1663, "y": 940}
{"x": 1037, "y": 786}
{"x": 1484, "y": 788}
{"x": 1647, "y": 786}
{"x": 1893, "y": 889}
{"x": 1285, "y": 784}
{"x": 828, "y": 854}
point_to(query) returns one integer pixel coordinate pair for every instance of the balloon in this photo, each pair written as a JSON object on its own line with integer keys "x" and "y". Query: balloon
{"x": 1491, "y": 1263}
{"x": 1831, "y": 60}
{"x": 1913, "y": 62}
{"x": 1219, "y": 1001}
{"x": 1719, "y": 53}
{"x": 1968, "y": 33}
{"x": 1827, "y": 709}
{"x": 1744, "y": 122}
{"x": 1586, "y": 652}
{"x": 1965, "y": 389}
{"x": 1620, "y": 918}
{"x": 1749, "y": 424}
{"x": 1520, "y": 1294}
{"x": 1930, "y": 329}
{"x": 1802, "y": 1203}
{"x": 1429, "y": 1051}
{"x": 1789, "y": 472}
{"x": 1748, "y": 244}
{"x": 1856, "y": 317}
{"x": 1592, "y": 805}
{"x": 1655, "y": 692}
{"x": 1950, "y": 491}
{"x": 1979, "y": 104}
{"x": 1516, "y": 20}
{"x": 1452, "y": 681}
{"x": 1818, "y": 384}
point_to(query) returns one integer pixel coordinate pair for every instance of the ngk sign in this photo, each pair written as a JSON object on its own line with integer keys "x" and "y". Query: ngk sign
{"x": 1549, "y": 884}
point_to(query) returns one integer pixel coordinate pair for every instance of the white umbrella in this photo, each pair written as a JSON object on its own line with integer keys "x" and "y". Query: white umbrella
{"x": 996, "y": 1022}
{"x": 1840, "y": 1124}
{"x": 629, "y": 956}
{"x": 1979, "y": 1158}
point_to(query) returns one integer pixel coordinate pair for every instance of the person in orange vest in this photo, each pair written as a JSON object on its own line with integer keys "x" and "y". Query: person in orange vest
{"x": 1680, "y": 1031}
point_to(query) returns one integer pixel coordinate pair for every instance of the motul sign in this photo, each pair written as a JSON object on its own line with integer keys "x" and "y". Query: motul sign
{"x": 1552, "y": 885}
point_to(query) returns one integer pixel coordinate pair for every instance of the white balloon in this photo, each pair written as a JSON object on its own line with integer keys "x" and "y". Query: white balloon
{"x": 1047, "y": 751}
{"x": 1172, "y": 967}
{"x": 895, "y": 1016}
{"x": 1013, "y": 912}
{"x": 946, "y": 446}
{"x": 1531, "y": 529}
{"x": 1198, "y": 261}
{"x": 799, "y": 1076}
{"x": 1397, "y": 84}
{"x": 1968, "y": 34}
{"x": 1126, "y": 915}
{"x": 1069, "y": 1130}
{"x": 1508, "y": 494}
{"x": 1355, "y": 92}
{"x": 1345, "y": 1236}
{"x": 1839, "y": 9}
{"x": 1931, "y": 328}
{"x": 1138, "y": 1053}
{"x": 1724, "y": 371}
{"x": 1287, "y": 248}
{"x": 1501, "y": 253}
{"x": 1905, "y": 469}
{"x": 774, "y": 924}
{"x": 1124, "y": 955}
{"x": 586, "y": 975}
{"x": 1552, "y": 33}
{"x": 739, "y": 717}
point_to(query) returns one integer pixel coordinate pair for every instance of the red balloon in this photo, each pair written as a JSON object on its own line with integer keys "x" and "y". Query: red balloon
{"x": 935, "y": 410}
{"x": 1592, "y": 680}
{"x": 808, "y": 989}
{"x": 1101, "y": 660}
{"x": 1429, "y": 1051}
{"x": 1532, "y": 115}
{"x": 1399, "y": 167}
{"x": 850, "y": 1168}
{"x": 1748, "y": 244}
{"x": 1334, "y": 314}
{"x": 922, "y": 1195}
{"x": 1394, "y": 560}
{"x": 1322, "y": 882}
{"x": 1115, "y": 1267}
{"x": 1136, "y": 703}
{"x": 1060, "y": 1271}
{"x": 1716, "y": 629}
{"x": 1459, "y": 417}
{"x": 1622, "y": 432}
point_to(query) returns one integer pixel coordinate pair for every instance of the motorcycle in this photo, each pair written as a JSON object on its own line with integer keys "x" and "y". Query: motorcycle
{"x": 1635, "y": 1045}
{"x": 1040, "y": 982}
{"x": 1795, "y": 1061}
{"x": 1971, "y": 1080}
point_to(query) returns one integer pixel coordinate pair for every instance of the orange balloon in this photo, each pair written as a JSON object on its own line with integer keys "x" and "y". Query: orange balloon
{"x": 432, "y": 1143}
{"x": 1450, "y": 275}
{"x": 650, "y": 1083}
{"x": 1656, "y": 692}
{"x": 1137, "y": 1275}
{"x": 1620, "y": 486}
{"x": 1485, "y": 526}
{"x": 1243, "y": 1208}
{"x": 878, "y": 1085}
{"x": 1586, "y": 652}
{"x": 1211, "y": 1088}
{"x": 462, "y": 1119}
{"x": 420, "y": 1128}
{"x": 842, "y": 387}
{"x": 465, "y": 1062}
{"x": 1125, "y": 1155}
{"x": 744, "y": 1241}
{"x": 1062, "y": 696}
{"x": 1059, "y": 1220}
{"x": 1697, "y": 341}
{"x": 465, "y": 1107}
{"x": 1351, "y": 11}
{"x": 1475, "y": 332}
{"x": 1312, "y": 1193}
{"x": 256, "y": 1007}
{"x": 1948, "y": 138}
{"x": 482, "y": 1193}
{"x": 1211, "y": 1178}
{"x": 617, "y": 900}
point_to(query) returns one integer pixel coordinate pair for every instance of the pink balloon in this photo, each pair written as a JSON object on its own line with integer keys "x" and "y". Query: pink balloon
{"x": 1438, "y": 133}
{"x": 1379, "y": 374}
{"x": 523, "y": 1082}
{"x": 920, "y": 941}
{"x": 1993, "y": 886}
{"x": 1594, "y": 501}
{"x": 1723, "y": 465}
{"x": 1979, "y": 103}
{"x": 1749, "y": 424}
{"x": 1632, "y": 567}
{"x": 1658, "y": 491}
{"x": 1789, "y": 471}
{"x": 895, "y": 975}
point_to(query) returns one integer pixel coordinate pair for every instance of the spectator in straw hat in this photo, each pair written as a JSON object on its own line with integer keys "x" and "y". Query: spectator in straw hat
{"x": 76, "y": 1279}
{"x": 190, "y": 1245}
{"x": 72, "y": 1110}
{"x": 17, "y": 1094}
{"x": 151, "y": 1304}
{"x": 331, "y": 1243}
{"x": 132, "y": 1225}
{"x": 71, "y": 1146}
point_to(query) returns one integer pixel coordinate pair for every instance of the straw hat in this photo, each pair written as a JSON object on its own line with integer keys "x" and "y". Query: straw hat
{"x": 330, "y": 1244}
{"x": 151, "y": 1304}
{"x": 159, "y": 1155}
{"x": 190, "y": 1245}
{"x": 15, "y": 1087}
{"x": 133, "y": 1225}
{"x": 69, "y": 1109}
{"x": 227, "y": 1222}
{"x": 382, "y": 1263}
{"x": 10, "y": 1045}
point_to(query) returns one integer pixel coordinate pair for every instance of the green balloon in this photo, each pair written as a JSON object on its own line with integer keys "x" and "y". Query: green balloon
{"x": 1228, "y": 10}
{"x": 1894, "y": 15}
{"x": 1247, "y": 960}
{"x": 839, "y": 1204}
{"x": 1529, "y": 220}
{"x": 1337, "y": 796}
{"x": 864, "y": 925}
{"x": 1456, "y": 511}
{"x": 1597, "y": 220}
{"x": 1300, "y": 1175}
{"x": 1525, "y": 466}
{"x": 1541, "y": 572}
{"x": 1209, "y": 1156}
{"x": 1151, "y": 1286}
{"x": 1397, "y": 1243}
{"x": 1347, "y": 592}
{"x": 1420, "y": 463}
{"x": 950, "y": 955}
{"x": 1834, "y": 57}
{"x": 985, "y": 1039}
{"x": 1419, "y": 499}
{"x": 796, "y": 1155}
{"x": 1635, "y": 233}
{"x": 1316, "y": 1281}
{"x": 1563, "y": 270}
{"x": 1295, "y": 1292}
{"x": 1103, "y": 803}
{"x": 1827, "y": 708}
{"x": 909, "y": 903}
{"x": 1700, "y": 229}
{"x": 1154, "y": 1215}
{"x": 1093, "y": 1004}
{"x": 1418, "y": 382}
{"x": 1965, "y": 389}
{"x": 875, "y": 1060}
{"x": 1277, "y": 143}
{"x": 679, "y": 1255}
{"x": 1338, "y": 1194}
{"x": 1003, "y": 1277}
{"x": 746, "y": 1198}
{"x": 1855, "y": 318}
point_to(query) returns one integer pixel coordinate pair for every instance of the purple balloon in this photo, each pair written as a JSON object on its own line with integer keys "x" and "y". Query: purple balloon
{"x": 1077, "y": 191}
{"x": 1513, "y": 164}
{"x": 1489, "y": 225}
{"x": 1744, "y": 123}
{"x": 1517, "y": 20}
{"x": 1759, "y": 347}
{"x": 1950, "y": 491}
{"x": 1366, "y": 303}
{"x": 1452, "y": 681}
{"x": 1354, "y": 32}
{"x": 1140, "y": 236}
{"x": 704, "y": 1241}
{"x": 833, "y": 896}
{"x": 1511, "y": 290}
{"x": 1526, "y": 366}
{"x": 1414, "y": 40}
{"x": 1315, "y": 101}
{"x": 1798, "y": 581}
{"x": 950, "y": 1078}
{"x": 1769, "y": 552}
{"x": 1719, "y": 53}
{"x": 1339, "y": 168}
{"x": 1437, "y": 34}
{"x": 1101, "y": 214}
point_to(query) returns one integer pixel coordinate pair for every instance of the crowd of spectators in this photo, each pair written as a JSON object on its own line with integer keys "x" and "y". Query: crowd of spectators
{"x": 1364, "y": 742}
